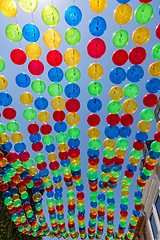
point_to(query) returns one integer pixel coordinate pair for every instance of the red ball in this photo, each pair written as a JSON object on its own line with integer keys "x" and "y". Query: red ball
{"x": 42, "y": 166}
{"x": 24, "y": 156}
{"x": 73, "y": 153}
{"x": 80, "y": 195}
{"x": 129, "y": 174}
{"x": 1, "y": 156}
{"x": 9, "y": 113}
{"x": 145, "y": 1}
{"x": 72, "y": 105}
{"x": 54, "y": 165}
{"x": 21, "y": 184}
{"x": 36, "y": 67}
{"x": 54, "y": 58}
{"x": 93, "y": 162}
{"x": 105, "y": 184}
{"x": 50, "y": 189}
{"x": 149, "y": 167}
{"x": 18, "y": 56}
{"x": 58, "y": 116}
{"x": 137, "y": 55}
{"x": 157, "y": 136}
{"x": 127, "y": 119}
{"x": 3, "y": 187}
{"x": 138, "y": 207}
{"x": 68, "y": 180}
{"x": 138, "y": 145}
{"x": 124, "y": 213}
{"x": 12, "y": 157}
{"x": 39, "y": 183}
{"x": 33, "y": 128}
{"x": 27, "y": 180}
{"x": 63, "y": 155}
{"x": 158, "y": 31}
{"x": 120, "y": 57}
{"x": 107, "y": 161}
{"x": 12, "y": 184}
{"x": 118, "y": 161}
{"x": 71, "y": 207}
{"x": 37, "y": 147}
{"x": 101, "y": 213}
{"x": 132, "y": 227}
{"x": 140, "y": 184}
{"x": 96, "y": 48}
{"x": 46, "y": 129}
{"x": 93, "y": 120}
{"x": 150, "y": 100}
{"x": 113, "y": 119}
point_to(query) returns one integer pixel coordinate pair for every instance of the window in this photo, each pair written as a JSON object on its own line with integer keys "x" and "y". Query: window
{"x": 158, "y": 206}
{"x": 154, "y": 228}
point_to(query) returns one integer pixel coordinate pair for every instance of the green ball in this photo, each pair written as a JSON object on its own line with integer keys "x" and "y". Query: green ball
{"x": 111, "y": 207}
{"x": 29, "y": 114}
{"x": 93, "y": 198}
{"x": 17, "y": 203}
{"x": 39, "y": 158}
{"x": 131, "y": 90}
{"x": 14, "y": 32}
{"x": 55, "y": 89}
{"x": 109, "y": 153}
{"x": 12, "y": 126}
{"x": 110, "y": 194}
{"x": 2, "y": 128}
{"x": 61, "y": 137}
{"x": 136, "y": 154}
{"x": 120, "y": 38}
{"x": 104, "y": 178}
{"x": 122, "y": 224}
{"x": 127, "y": 181}
{"x": 124, "y": 200}
{"x": 28, "y": 164}
{"x": 56, "y": 173}
{"x": 95, "y": 88}
{"x": 144, "y": 13}
{"x": 122, "y": 143}
{"x": 94, "y": 144}
{"x": 72, "y": 74}
{"x": 114, "y": 107}
{"x": 2, "y": 64}
{"x": 75, "y": 167}
{"x": 72, "y": 36}
{"x": 59, "y": 202}
{"x": 92, "y": 175}
{"x": 38, "y": 86}
{"x": 50, "y": 202}
{"x": 74, "y": 132}
{"x": 147, "y": 114}
{"x": 48, "y": 139}
{"x": 70, "y": 195}
{"x": 66, "y": 170}
{"x": 156, "y": 51}
{"x": 48, "y": 184}
{"x": 137, "y": 201}
{"x": 16, "y": 164}
{"x": 115, "y": 174}
{"x": 50, "y": 16}
{"x": 11, "y": 173}
{"x": 24, "y": 195}
{"x": 155, "y": 146}
{"x": 30, "y": 185}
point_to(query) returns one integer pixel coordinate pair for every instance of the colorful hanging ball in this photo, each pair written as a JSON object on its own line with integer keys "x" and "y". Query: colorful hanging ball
{"x": 123, "y": 1}
{"x": 150, "y": 100}
{"x": 58, "y": 116}
{"x": 135, "y": 73}
{"x": 131, "y": 90}
{"x": 98, "y": 6}
{"x": 20, "y": 147}
{"x": 38, "y": 86}
{"x": 23, "y": 80}
{"x": 31, "y": 32}
{"x": 117, "y": 75}
{"x": 120, "y": 38}
{"x": 145, "y": 1}
{"x": 95, "y": 71}
{"x": 12, "y": 126}
{"x": 55, "y": 74}
{"x": 144, "y": 13}
{"x": 153, "y": 85}
{"x": 33, "y": 128}
{"x": 72, "y": 74}
{"x": 55, "y": 89}
{"x": 113, "y": 119}
{"x": 52, "y": 38}
{"x": 73, "y": 15}
{"x": 41, "y": 103}
{"x": 72, "y": 105}
{"x": 72, "y": 36}
{"x": 5, "y": 99}
{"x": 127, "y": 119}
{"x": 2, "y": 65}
{"x": 156, "y": 51}
{"x": 95, "y": 88}
{"x": 137, "y": 55}
{"x": 72, "y": 90}
{"x": 18, "y": 56}
{"x": 94, "y": 105}
{"x": 29, "y": 114}
{"x": 154, "y": 69}
{"x": 96, "y": 48}
{"x": 157, "y": 32}
{"x": 129, "y": 106}
{"x": 14, "y": 32}
{"x": 72, "y": 57}
{"x": 6, "y": 147}
{"x": 54, "y": 58}
{"x": 33, "y": 51}
{"x": 36, "y": 67}
{"x": 9, "y": 113}
{"x": 46, "y": 129}
{"x": 3, "y": 82}
{"x": 141, "y": 35}
{"x": 8, "y": 8}
{"x": 124, "y": 131}
{"x": 97, "y": 26}
{"x": 116, "y": 93}
{"x": 50, "y": 16}
{"x": 123, "y": 14}
{"x": 93, "y": 120}
{"x": 28, "y": 6}
{"x": 112, "y": 132}
{"x": 26, "y": 98}
{"x": 120, "y": 57}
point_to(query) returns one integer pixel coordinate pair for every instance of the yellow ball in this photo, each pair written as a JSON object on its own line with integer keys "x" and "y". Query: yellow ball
{"x": 52, "y": 157}
{"x": 17, "y": 137}
{"x": 123, "y": 14}
{"x": 58, "y": 103}
{"x": 109, "y": 144}
{"x": 33, "y": 171}
{"x": 93, "y": 133}
{"x": 46, "y": 179}
{"x": 33, "y": 51}
{"x": 98, "y": 6}
{"x": 15, "y": 197}
{"x": 3, "y": 163}
{"x": 95, "y": 71}
{"x": 72, "y": 119}
{"x": 125, "y": 193}
{"x": 144, "y": 126}
{"x": 75, "y": 161}
{"x": 133, "y": 161}
{"x": 8, "y": 8}
{"x": 26, "y": 98}
{"x": 28, "y": 5}
{"x": 3, "y": 82}
{"x": 120, "y": 153}
{"x": 63, "y": 147}
{"x": 52, "y": 38}
{"x": 158, "y": 126}
{"x": 43, "y": 116}
{"x": 37, "y": 197}
{"x": 92, "y": 168}
{"x": 22, "y": 190}
{"x": 154, "y": 69}
{"x": 4, "y": 138}
{"x": 72, "y": 57}
{"x": 141, "y": 35}
{"x": 20, "y": 169}
{"x": 129, "y": 106}
{"x": 116, "y": 93}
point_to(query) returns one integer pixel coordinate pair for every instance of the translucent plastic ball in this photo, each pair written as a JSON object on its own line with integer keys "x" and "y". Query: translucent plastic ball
{"x": 41, "y": 103}
{"x": 135, "y": 73}
{"x": 31, "y": 32}
{"x": 5, "y": 99}
{"x": 55, "y": 74}
{"x": 73, "y": 15}
{"x": 117, "y": 75}
{"x": 97, "y": 26}
{"x": 94, "y": 105}
{"x": 23, "y": 80}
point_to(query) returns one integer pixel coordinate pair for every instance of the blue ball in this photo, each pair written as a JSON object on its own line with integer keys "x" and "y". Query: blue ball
{"x": 131, "y": 168}
{"x": 135, "y": 73}
{"x": 55, "y": 74}
{"x": 23, "y": 80}
{"x": 110, "y": 201}
{"x": 73, "y": 15}
{"x": 20, "y": 147}
{"x": 65, "y": 163}
{"x": 34, "y": 138}
{"x": 117, "y": 75}
{"x": 112, "y": 132}
{"x": 105, "y": 168}
{"x": 93, "y": 204}
{"x": 50, "y": 148}
{"x": 101, "y": 197}
{"x": 6, "y": 194}
{"x": 141, "y": 136}
{"x": 60, "y": 127}
{"x": 94, "y": 105}
{"x": 14, "y": 190}
{"x": 136, "y": 213}
{"x": 24, "y": 174}
{"x": 153, "y": 155}
{"x": 72, "y": 90}
{"x": 138, "y": 194}
{"x": 73, "y": 143}
{"x": 97, "y": 26}
{"x": 123, "y": 1}
{"x": 123, "y": 207}
{"x": 35, "y": 190}
{"x": 44, "y": 173}
{"x": 80, "y": 188}
{"x": 153, "y": 85}
{"x": 6, "y": 147}
{"x": 30, "y": 32}
{"x": 124, "y": 131}
{"x": 41, "y": 103}
{"x": 93, "y": 153}
{"x": 5, "y": 99}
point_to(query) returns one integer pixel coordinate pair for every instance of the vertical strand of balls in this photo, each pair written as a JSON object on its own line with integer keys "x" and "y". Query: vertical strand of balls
{"x": 72, "y": 91}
